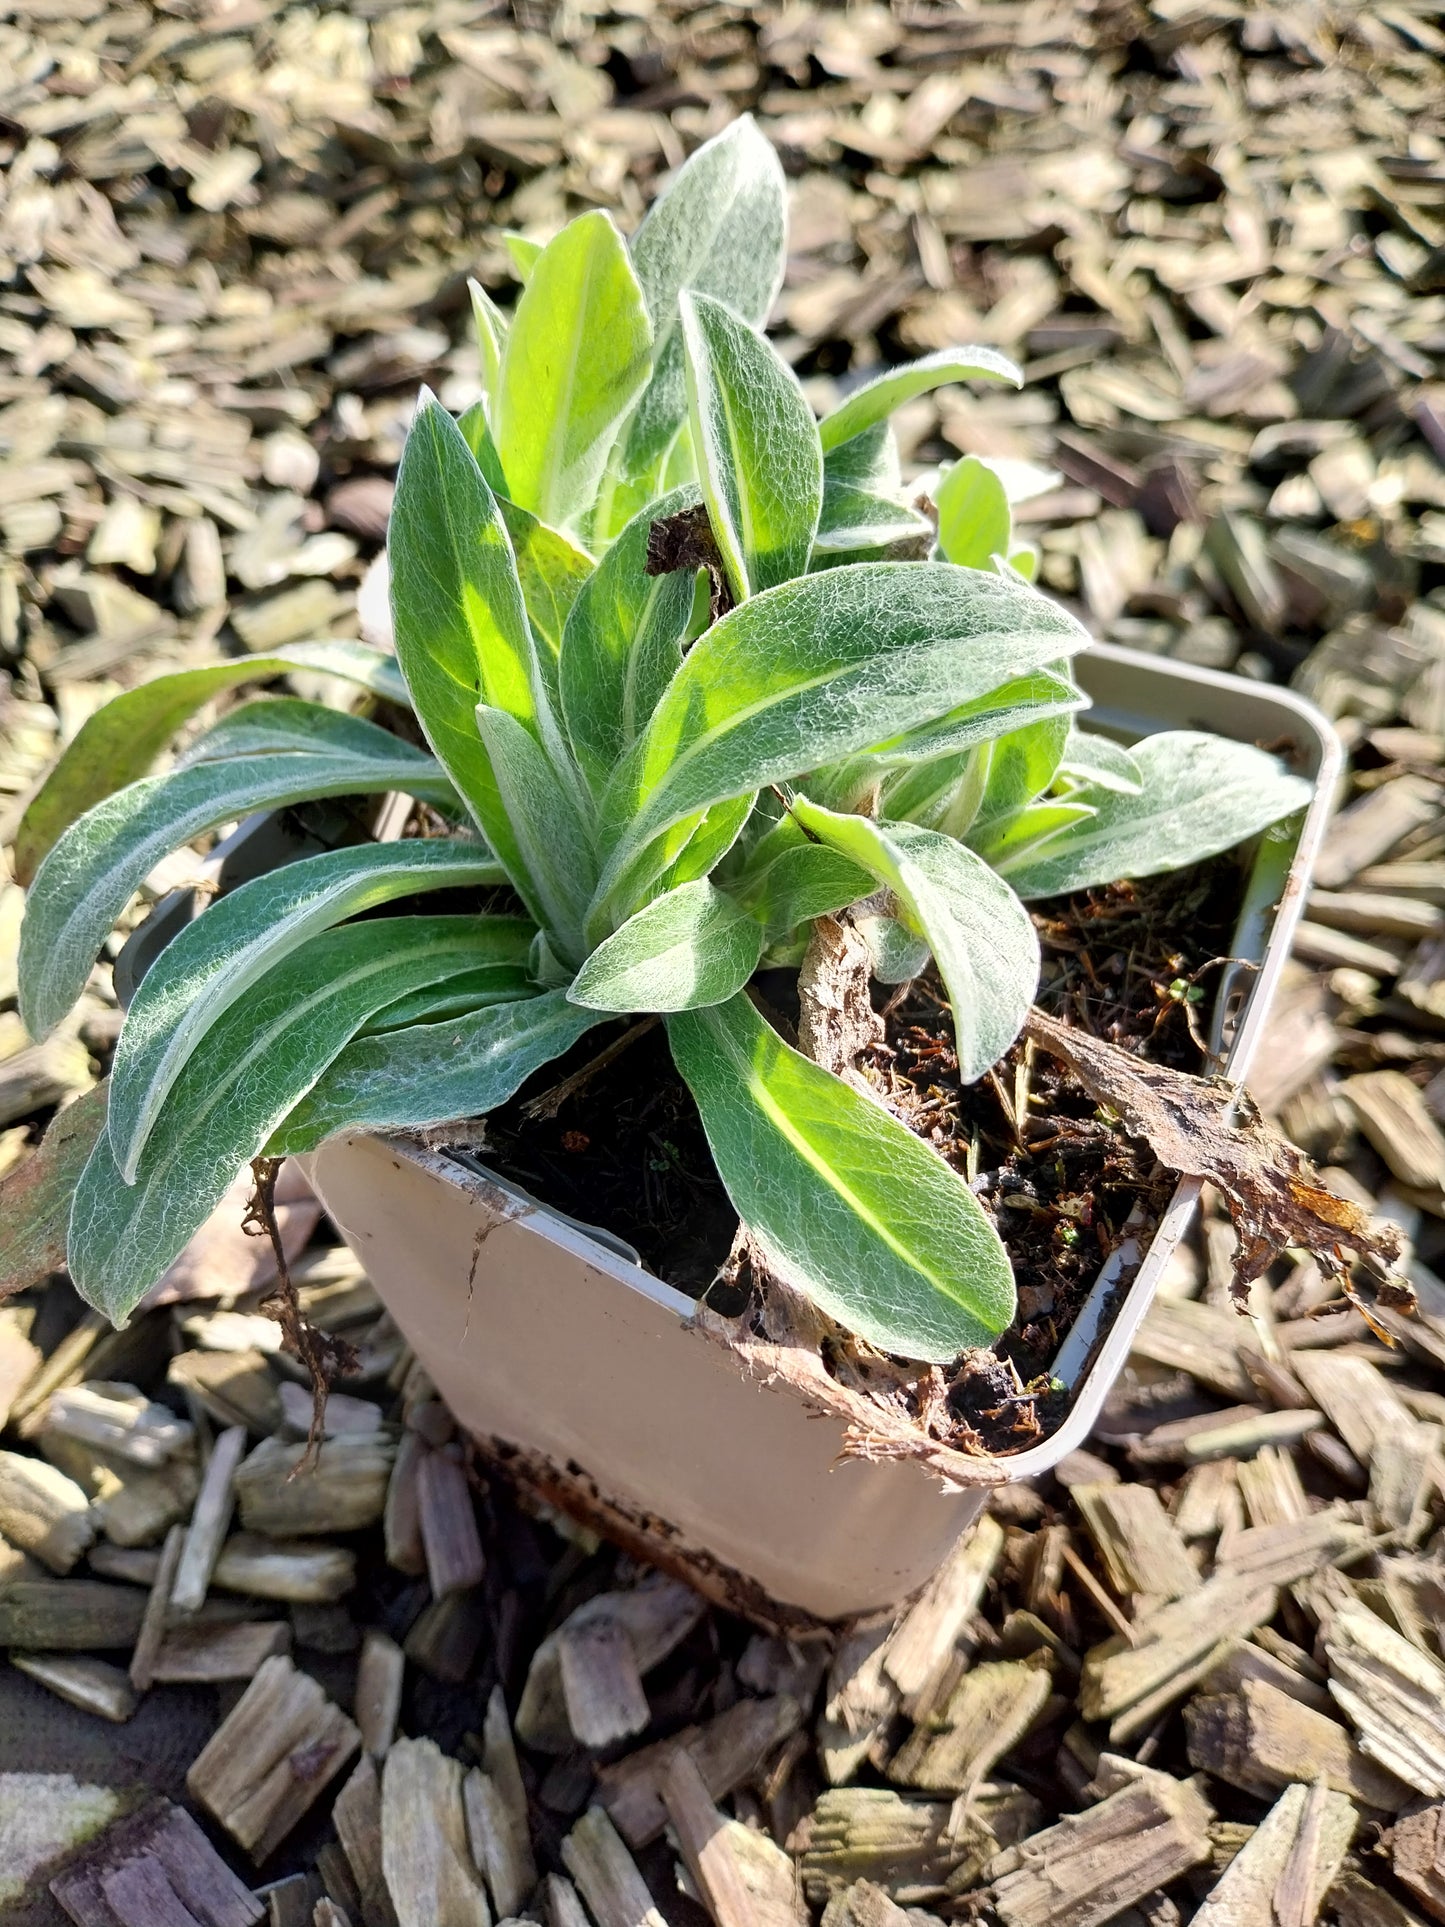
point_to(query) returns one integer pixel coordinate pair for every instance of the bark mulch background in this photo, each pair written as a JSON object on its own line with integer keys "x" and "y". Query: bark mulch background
{"x": 1200, "y": 1674}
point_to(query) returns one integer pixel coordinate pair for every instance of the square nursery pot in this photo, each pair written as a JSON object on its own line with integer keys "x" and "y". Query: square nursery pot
{"x": 590, "y": 1384}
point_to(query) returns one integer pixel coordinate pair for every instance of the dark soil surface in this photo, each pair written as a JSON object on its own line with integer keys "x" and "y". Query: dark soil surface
{"x": 1133, "y": 963}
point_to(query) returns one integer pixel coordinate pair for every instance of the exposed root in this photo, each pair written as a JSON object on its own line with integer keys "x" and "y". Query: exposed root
{"x": 325, "y": 1357}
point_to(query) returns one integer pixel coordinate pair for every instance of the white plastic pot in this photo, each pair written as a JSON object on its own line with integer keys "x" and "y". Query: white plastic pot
{"x": 583, "y": 1377}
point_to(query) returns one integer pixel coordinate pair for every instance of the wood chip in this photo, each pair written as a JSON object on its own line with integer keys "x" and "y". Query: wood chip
{"x": 1260, "y": 1740}
{"x": 606, "y": 1874}
{"x": 272, "y": 1757}
{"x": 1092, "y": 1865}
{"x": 209, "y": 1521}
{"x": 155, "y": 1868}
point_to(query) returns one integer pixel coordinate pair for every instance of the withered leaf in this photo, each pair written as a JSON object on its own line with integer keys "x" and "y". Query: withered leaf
{"x": 686, "y": 541}
{"x": 35, "y": 1197}
{"x": 1208, "y": 1128}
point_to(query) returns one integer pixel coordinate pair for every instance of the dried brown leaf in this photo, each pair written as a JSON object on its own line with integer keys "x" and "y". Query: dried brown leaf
{"x": 1208, "y": 1128}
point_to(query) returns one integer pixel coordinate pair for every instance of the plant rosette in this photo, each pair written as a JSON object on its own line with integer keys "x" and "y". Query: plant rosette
{"x": 693, "y": 669}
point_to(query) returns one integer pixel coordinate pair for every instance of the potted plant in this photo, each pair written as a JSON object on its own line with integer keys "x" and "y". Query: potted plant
{"x": 692, "y": 674}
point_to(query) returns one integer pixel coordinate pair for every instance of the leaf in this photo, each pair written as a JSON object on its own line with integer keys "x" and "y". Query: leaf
{"x": 491, "y": 331}
{"x": 974, "y": 520}
{"x": 215, "y": 959}
{"x": 622, "y": 643}
{"x": 552, "y": 571}
{"x": 807, "y": 673}
{"x": 1099, "y": 761}
{"x": 429, "y": 1074}
{"x": 458, "y": 997}
{"x": 555, "y": 843}
{"x": 276, "y": 724}
{"x": 718, "y": 228}
{"x": 476, "y": 432}
{"x": 867, "y": 462}
{"x": 1030, "y": 833}
{"x": 1202, "y": 1128}
{"x": 981, "y": 936}
{"x": 118, "y": 743}
{"x": 238, "y": 1085}
{"x": 1200, "y": 795}
{"x": 35, "y": 1196}
{"x": 876, "y": 400}
{"x": 716, "y": 833}
{"x": 894, "y": 953}
{"x": 102, "y": 860}
{"x": 845, "y": 1202}
{"x": 522, "y": 252}
{"x": 854, "y": 518}
{"x": 920, "y": 763}
{"x": 759, "y": 461}
{"x": 799, "y": 883}
{"x": 576, "y": 359}
{"x": 462, "y": 635}
{"x": 689, "y": 947}
{"x": 1017, "y": 770}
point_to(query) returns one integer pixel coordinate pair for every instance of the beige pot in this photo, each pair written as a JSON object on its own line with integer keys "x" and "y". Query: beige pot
{"x": 583, "y": 1377}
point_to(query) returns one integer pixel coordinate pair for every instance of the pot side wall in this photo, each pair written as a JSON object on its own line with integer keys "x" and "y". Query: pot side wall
{"x": 593, "y": 1368}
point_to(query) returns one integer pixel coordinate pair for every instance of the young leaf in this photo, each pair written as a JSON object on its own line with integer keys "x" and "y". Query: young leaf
{"x": 429, "y": 1074}
{"x": 691, "y": 947}
{"x": 491, "y": 330}
{"x": 717, "y": 831}
{"x": 920, "y": 763}
{"x": 1019, "y": 768}
{"x": 974, "y": 522}
{"x": 876, "y": 400}
{"x": 758, "y": 457}
{"x": 1199, "y": 795}
{"x": 622, "y": 643}
{"x": 1029, "y": 833}
{"x": 462, "y": 634}
{"x": 718, "y": 228}
{"x": 895, "y": 954}
{"x": 238, "y": 1086}
{"x": 215, "y": 959}
{"x": 522, "y": 252}
{"x": 576, "y": 359}
{"x": 980, "y": 934}
{"x": 798, "y": 883}
{"x": 102, "y": 860}
{"x": 1098, "y": 761}
{"x": 459, "y": 996}
{"x": 552, "y": 571}
{"x": 119, "y": 742}
{"x": 555, "y": 843}
{"x": 810, "y": 672}
{"x": 846, "y": 1203}
{"x": 476, "y": 430}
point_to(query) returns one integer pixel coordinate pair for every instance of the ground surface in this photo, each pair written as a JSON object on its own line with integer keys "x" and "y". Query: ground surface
{"x": 233, "y": 240}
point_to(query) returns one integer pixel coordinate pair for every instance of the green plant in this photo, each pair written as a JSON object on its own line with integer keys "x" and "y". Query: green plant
{"x": 670, "y": 789}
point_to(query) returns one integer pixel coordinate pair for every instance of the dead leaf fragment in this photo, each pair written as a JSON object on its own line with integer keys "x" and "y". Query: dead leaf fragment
{"x": 1208, "y": 1128}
